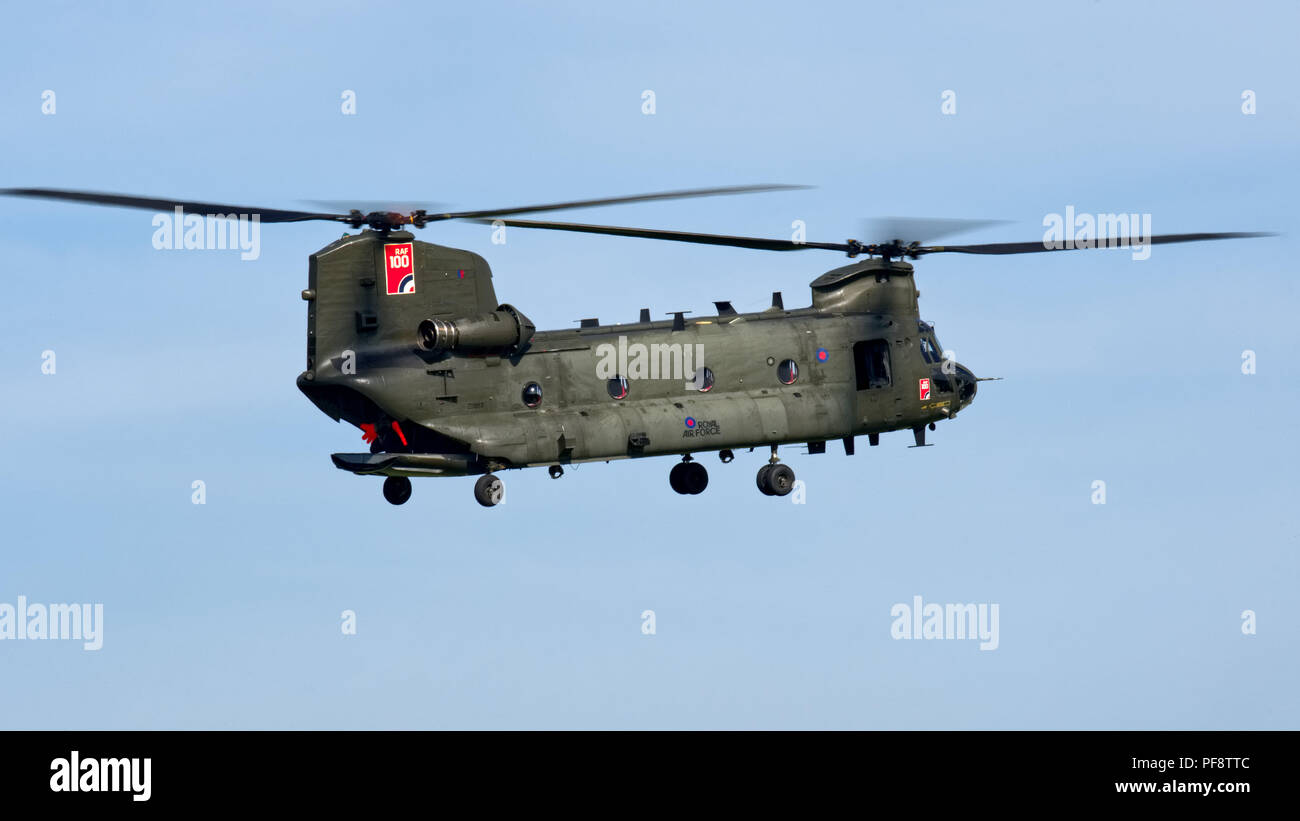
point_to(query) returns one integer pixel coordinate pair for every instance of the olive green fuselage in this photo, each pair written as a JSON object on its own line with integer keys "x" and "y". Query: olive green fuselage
{"x": 865, "y": 364}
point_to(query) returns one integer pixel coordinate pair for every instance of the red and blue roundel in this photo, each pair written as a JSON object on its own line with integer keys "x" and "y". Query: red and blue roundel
{"x": 690, "y": 421}
{"x": 823, "y": 354}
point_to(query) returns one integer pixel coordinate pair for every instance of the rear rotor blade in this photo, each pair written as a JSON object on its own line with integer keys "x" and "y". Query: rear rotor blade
{"x": 758, "y": 243}
{"x": 382, "y": 217}
{"x": 157, "y": 204}
{"x": 663, "y": 195}
{"x": 376, "y": 206}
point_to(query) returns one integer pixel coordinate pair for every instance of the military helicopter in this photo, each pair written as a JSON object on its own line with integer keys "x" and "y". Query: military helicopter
{"x": 406, "y": 340}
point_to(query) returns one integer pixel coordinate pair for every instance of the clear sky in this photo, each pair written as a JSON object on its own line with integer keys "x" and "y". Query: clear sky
{"x": 179, "y": 366}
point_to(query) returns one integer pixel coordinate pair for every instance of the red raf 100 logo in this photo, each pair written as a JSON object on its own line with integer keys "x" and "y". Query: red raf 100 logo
{"x": 399, "y": 267}
{"x": 925, "y": 389}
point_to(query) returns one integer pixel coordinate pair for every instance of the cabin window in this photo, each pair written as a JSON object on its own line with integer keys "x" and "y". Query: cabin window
{"x": 871, "y": 364}
{"x": 787, "y": 372}
{"x": 617, "y": 387}
{"x": 703, "y": 380}
{"x": 532, "y": 395}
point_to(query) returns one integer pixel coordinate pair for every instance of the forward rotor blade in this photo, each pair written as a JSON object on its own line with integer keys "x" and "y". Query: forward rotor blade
{"x": 757, "y": 243}
{"x": 919, "y": 229}
{"x": 852, "y": 249}
{"x": 155, "y": 204}
{"x": 1121, "y": 242}
{"x": 663, "y": 195}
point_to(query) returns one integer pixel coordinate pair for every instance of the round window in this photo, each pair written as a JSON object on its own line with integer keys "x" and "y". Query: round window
{"x": 617, "y": 387}
{"x": 787, "y": 372}
{"x": 703, "y": 380}
{"x": 532, "y": 394}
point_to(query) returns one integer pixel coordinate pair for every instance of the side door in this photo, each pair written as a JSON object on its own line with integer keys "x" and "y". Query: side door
{"x": 879, "y": 403}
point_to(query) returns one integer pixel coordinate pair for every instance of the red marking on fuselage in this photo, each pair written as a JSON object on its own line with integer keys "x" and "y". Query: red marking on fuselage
{"x": 400, "y": 435}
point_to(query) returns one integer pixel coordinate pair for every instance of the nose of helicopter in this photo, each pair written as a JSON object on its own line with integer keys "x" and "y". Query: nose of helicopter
{"x": 967, "y": 384}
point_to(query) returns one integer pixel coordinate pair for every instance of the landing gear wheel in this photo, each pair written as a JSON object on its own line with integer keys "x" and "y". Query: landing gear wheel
{"x": 556, "y": 471}
{"x": 688, "y": 478}
{"x": 397, "y": 489}
{"x": 489, "y": 490}
{"x": 694, "y": 478}
{"x": 779, "y": 480}
{"x": 762, "y": 479}
{"x": 676, "y": 477}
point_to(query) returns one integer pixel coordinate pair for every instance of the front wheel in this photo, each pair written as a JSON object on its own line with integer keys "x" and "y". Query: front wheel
{"x": 677, "y": 478}
{"x": 779, "y": 480}
{"x": 694, "y": 478}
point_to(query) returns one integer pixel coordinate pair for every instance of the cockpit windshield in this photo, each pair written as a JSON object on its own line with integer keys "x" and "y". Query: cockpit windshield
{"x": 930, "y": 349}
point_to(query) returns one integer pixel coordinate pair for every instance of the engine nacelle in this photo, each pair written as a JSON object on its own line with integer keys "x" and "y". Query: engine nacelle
{"x": 503, "y": 329}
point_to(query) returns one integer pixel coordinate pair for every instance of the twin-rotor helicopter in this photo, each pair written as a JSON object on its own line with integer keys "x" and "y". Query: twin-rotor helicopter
{"x": 406, "y": 340}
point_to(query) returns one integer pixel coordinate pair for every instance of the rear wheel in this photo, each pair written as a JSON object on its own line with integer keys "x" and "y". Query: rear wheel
{"x": 397, "y": 489}
{"x": 761, "y": 479}
{"x": 489, "y": 490}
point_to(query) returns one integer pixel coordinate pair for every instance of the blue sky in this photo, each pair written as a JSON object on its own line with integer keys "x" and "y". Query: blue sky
{"x": 177, "y": 366}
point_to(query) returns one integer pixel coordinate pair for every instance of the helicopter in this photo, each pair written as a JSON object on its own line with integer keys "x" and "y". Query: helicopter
{"x": 407, "y": 341}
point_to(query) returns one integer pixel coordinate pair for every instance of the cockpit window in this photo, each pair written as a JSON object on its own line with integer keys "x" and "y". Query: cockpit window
{"x": 931, "y": 350}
